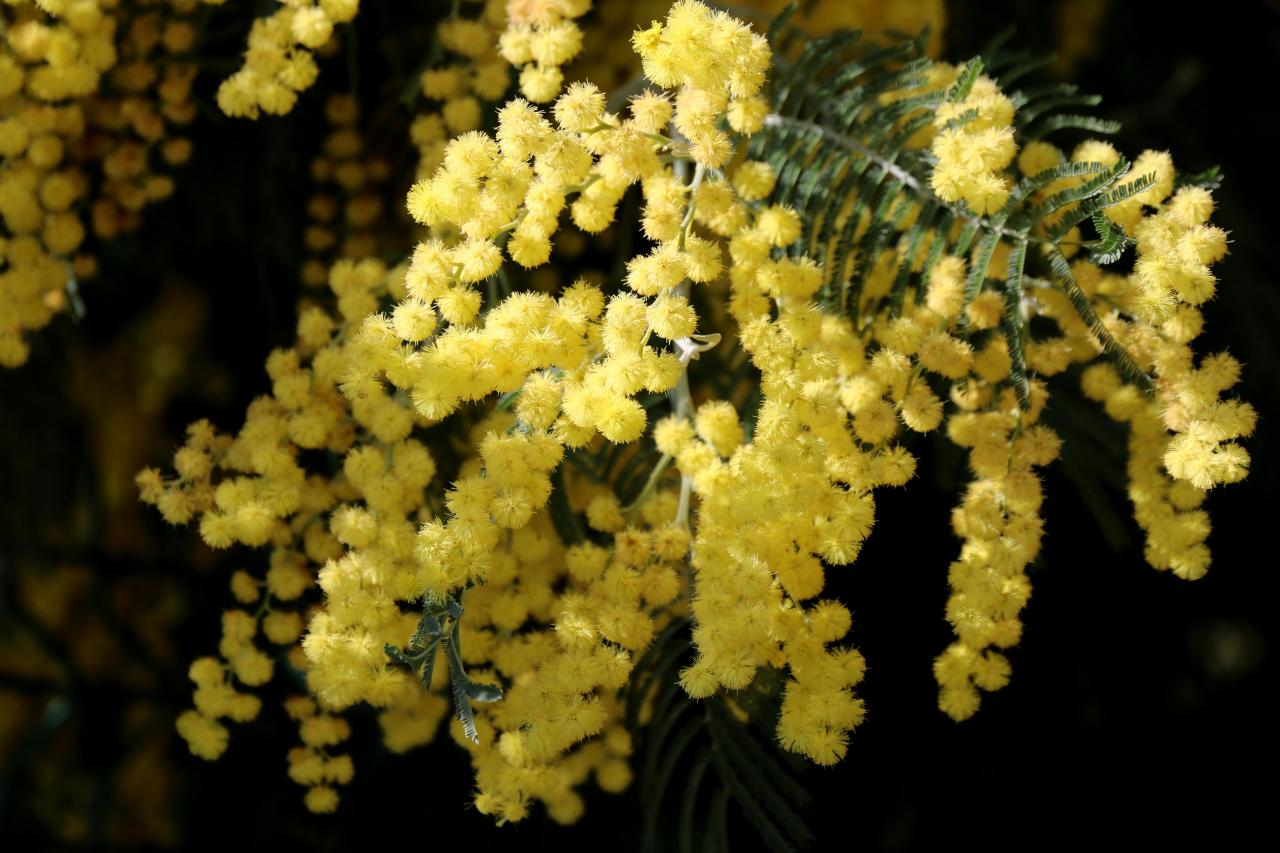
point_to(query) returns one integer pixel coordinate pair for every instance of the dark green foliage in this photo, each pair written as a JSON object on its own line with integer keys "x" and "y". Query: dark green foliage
{"x": 1116, "y": 353}
{"x": 1111, "y": 242}
{"x": 1209, "y": 179}
{"x": 1014, "y": 328}
{"x": 701, "y": 768}
{"x": 439, "y": 628}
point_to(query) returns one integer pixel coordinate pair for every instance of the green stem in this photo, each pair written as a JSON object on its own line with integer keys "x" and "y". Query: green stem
{"x": 650, "y": 483}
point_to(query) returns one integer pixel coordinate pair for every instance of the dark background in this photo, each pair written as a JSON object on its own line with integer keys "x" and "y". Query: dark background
{"x": 1138, "y": 710}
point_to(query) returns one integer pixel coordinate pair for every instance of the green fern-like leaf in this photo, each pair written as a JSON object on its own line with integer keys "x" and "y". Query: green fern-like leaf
{"x": 731, "y": 770}
{"x": 840, "y": 151}
{"x": 439, "y": 630}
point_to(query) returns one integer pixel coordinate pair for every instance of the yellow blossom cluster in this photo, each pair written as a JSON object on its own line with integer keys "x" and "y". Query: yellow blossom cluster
{"x": 772, "y": 513}
{"x": 974, "y": 146}
{"x": 1000, "y": 524}
{"x": 717, "y": 67}
{"x": 966, "y": 322}
{"x": 600, "y": 61}
{"x": 438, "y": 433}
{"x": 313, "y": 764}
{"x": 279, "y": 61}
{"x": 88, "y": 93}
{"x": 615, "y": 70}
{"x": 476, "y": 75}
{"x": 562, "y": 720}
{"x": 472, "y": 75}
{"x": 1184, "y": 440}
{"x": 540, "y": 37}
{"x": 491, "y": 535}
{"x": 347, "y": 205}
{"x": 142, "y": 100}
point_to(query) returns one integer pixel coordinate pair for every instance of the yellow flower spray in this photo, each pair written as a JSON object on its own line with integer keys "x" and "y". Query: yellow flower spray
{"x": 519, "y": 586}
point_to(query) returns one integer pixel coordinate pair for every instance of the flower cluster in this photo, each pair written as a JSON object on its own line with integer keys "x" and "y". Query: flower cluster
{"x": 717, "y": 67}
{"x": 437, "y": 470}
{"x": 541, "y": 36}
{"x": 974, "y": 146}
{"x": 1183, "y": 441}
{"x": 476, "y": 75}
{"x": 278, "y": 63}
{"x": 89, "y": 92}
{"x": 347, "y": 205}
{"x": 1001, "y": 527}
